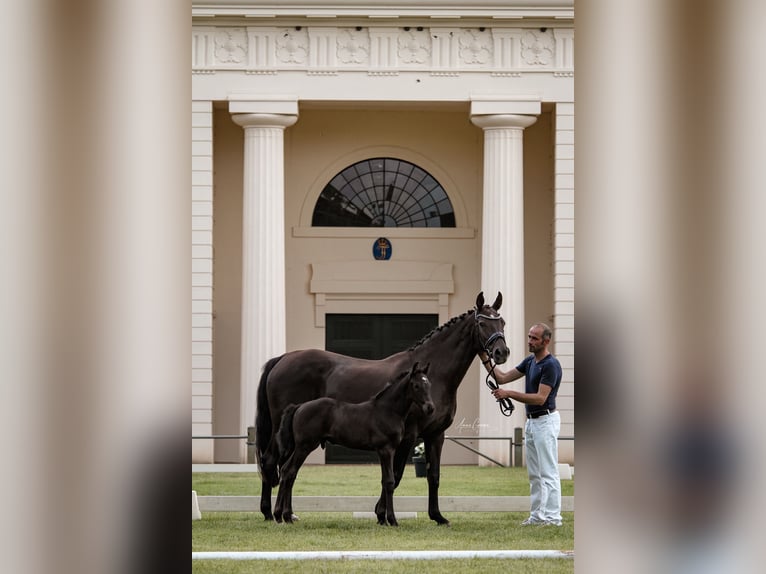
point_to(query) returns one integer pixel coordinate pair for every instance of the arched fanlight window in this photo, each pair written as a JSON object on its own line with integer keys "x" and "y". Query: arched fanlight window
{"x": 383, "y": 192}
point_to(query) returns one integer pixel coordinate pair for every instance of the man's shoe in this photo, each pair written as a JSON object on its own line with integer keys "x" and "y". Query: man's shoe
{"x": 532, "y": 522}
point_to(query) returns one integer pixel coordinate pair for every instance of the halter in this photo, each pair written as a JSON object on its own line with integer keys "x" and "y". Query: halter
{"x": 506, "y": 406}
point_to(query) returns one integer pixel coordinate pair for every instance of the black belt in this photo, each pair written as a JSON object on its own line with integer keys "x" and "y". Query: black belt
{"x": 539, "y": 414}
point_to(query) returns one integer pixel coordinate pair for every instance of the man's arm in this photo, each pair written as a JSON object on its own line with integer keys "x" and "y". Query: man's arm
{"x": 537, "y": 398}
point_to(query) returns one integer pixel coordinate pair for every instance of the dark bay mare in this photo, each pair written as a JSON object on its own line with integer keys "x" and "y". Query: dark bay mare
{"x": 377, "y": 424}
{"x": 301, "y": 376}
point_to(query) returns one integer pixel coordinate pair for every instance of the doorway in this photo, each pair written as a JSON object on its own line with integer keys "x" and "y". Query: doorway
{"x": 371, "y": 337}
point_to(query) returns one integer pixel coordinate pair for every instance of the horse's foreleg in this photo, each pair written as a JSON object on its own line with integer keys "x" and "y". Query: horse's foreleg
{"x": 400, "y": 463}
{"x": 433, "y": 456}
{"x": 387, "y": 482}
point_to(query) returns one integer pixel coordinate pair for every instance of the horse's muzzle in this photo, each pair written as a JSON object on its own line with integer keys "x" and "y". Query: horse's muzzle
{"x": 428, "y": 408}
{"x": 500, "y": 355}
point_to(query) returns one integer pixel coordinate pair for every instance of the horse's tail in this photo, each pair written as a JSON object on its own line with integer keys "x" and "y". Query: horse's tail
{"x": 285, "y": 436}
{"x": 263, "y": 414}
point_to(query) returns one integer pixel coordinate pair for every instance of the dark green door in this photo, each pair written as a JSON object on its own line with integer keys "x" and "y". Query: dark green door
{"x": 371, "y": 337}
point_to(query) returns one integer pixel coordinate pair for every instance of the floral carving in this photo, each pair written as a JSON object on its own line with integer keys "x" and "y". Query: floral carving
{"x": 353, "y": 47}
{"x": 292, "y": 46}
{"x": 474, "y": 46}
{"x": 537, "y": 47}
{"x": 230, "y": 46}
{"x": 414, "y": 47}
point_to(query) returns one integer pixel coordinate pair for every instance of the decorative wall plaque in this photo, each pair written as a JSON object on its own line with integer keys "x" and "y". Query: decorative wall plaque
{"x": 381, "y": 249}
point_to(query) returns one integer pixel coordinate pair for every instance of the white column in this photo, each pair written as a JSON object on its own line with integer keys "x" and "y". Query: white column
{"x": 263, "y": 250}
{"x": 563, "y": 269}
{"x": 202, "y": 279}
{"x": 503, "y": 255}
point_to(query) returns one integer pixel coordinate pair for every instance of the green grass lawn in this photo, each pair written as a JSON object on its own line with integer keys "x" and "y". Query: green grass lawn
{"x": 340, "y": 531}
{"x": 364, "y": 480}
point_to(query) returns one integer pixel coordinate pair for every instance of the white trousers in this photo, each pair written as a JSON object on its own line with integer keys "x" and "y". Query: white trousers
{"x": 541, "y": 436}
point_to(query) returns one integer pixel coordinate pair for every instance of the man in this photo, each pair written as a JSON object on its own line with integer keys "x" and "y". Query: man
{"x": 543, "y": 377}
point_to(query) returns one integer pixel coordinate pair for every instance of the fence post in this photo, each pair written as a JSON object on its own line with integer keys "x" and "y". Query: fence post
{"x": 250, "y": 445}
{"x": 517, "y": 442}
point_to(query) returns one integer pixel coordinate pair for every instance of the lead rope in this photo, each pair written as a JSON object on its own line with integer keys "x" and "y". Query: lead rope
{"x": 506, "y": 406}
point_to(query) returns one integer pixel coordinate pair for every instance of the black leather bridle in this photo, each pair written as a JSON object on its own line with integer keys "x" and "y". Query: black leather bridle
{"x": 492, "y": 338}
{"x": 506, "y": 406}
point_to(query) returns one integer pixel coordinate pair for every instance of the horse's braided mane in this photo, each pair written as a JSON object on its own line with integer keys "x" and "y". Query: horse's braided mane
{"x": 440, "y": 328}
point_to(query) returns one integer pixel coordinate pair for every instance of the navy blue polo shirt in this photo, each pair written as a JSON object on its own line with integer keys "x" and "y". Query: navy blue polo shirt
{"x": 546, "y": 372}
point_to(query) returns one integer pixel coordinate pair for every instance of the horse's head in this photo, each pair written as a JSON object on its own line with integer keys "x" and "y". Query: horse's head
{"x": 420, "y": 388}
{"x": 489, "y": 329}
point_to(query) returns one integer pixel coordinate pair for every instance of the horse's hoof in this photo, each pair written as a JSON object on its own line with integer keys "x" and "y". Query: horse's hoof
{"x": 294, "y": 517}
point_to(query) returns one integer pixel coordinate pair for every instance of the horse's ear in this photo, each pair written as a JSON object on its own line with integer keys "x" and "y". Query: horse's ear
{"x": 425, "y": 369}
{"x": 414, "y": 368}
{"x": 498, "y": 302}
{"x": 480, "y": 300}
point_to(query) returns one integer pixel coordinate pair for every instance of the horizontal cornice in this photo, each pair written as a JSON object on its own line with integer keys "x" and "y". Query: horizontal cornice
{"x": 498, "y": 9}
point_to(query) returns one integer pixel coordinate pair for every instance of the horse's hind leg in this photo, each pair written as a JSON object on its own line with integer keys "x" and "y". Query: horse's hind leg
{"x": 279, "y": 504}
{"x": 269, "y": 479}
{"x": 284, "y": 507}
{"x": 266, "y": 500}
{"x": 285, "y": 486}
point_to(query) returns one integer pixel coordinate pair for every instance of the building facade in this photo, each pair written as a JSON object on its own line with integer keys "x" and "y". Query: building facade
{"x": 469, "y": 105}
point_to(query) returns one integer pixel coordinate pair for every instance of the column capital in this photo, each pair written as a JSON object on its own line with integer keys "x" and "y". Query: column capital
{"x": 248, "y": 103}
{"x": 264, "y": 120}
{"x": 499, "y": 121}
{"x": 483, "y": 105}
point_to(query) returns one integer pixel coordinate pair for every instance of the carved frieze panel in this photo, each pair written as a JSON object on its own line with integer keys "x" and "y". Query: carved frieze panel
{"x": 353, "y": 47}
{"x": 231, "y": 47}
{"x": 414, "y": 47}
{"x": 537, "y": 48}
{"x": 292, "y": 47}
{"x": 475, "y": 47}
{"x": 383, "y": 50}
